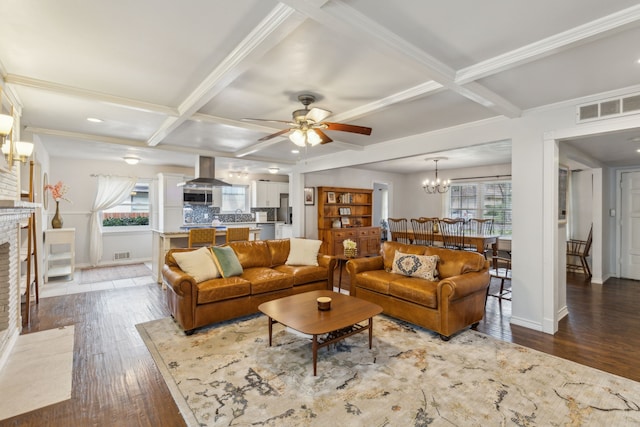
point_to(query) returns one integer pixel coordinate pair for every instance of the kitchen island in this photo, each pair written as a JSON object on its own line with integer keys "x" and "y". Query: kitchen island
{"x": 162, "y": 241}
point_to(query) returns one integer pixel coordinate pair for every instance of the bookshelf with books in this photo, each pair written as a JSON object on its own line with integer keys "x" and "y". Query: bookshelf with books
{"x": 346, "y": 213}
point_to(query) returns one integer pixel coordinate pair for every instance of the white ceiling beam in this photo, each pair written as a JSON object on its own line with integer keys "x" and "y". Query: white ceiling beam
{"x": 549, "y": 46}
{"x": 343, "y": 18}
{"x": 89, "y": 95}
{"x": 280, "y": 22}
{"x": 207, "y": 118}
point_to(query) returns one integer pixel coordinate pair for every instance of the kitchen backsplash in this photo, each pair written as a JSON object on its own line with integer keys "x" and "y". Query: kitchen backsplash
{"x": 203, "y": 214}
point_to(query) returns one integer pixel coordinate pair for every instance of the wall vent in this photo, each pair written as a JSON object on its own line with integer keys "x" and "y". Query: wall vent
{"x": 121, "y": 255}
{"x": 609, "y": 108}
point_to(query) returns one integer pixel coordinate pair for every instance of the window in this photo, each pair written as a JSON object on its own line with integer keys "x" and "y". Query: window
{"x": 482, "y": 200}
{"x": 133, "y": 211}
{"x": 235, "y": 197}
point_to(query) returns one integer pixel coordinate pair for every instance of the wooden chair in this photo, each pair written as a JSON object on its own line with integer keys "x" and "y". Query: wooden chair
{"x": 501, "y": 269}
{"x": 235, "y": 234}
{"x": 579, "y": 249}
{"x": 422, "y": 231}
{"x": 452, "y": 231}
{"x": 479, "y": 227}
{"x": 398, "y": 229}
{"x": 201, "y": 237}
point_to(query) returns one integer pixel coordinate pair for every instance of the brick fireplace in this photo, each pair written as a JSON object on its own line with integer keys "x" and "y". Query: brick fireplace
{"x": 11, "y": 215}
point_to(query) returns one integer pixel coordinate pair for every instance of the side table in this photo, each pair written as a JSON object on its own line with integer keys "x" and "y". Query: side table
{"x": 341, "y": 260}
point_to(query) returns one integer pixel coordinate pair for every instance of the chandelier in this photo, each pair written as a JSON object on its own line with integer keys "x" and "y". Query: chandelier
{"x": 436, "y": 186}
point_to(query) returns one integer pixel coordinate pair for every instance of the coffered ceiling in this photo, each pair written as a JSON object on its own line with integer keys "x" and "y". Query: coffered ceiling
{"x": 170, "y": 80}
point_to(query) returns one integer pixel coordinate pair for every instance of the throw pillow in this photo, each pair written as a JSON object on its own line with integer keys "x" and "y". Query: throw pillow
{"x": 303, "y": 252}
{"x": 226, "y": 260}
{"x": 423, "y": 266}
{"x": 197, "y": 264}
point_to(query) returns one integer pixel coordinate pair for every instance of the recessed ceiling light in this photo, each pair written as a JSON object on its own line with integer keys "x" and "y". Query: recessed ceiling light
{"x": 94, "y": 120}
{"x": 132, "y": 160}
{"x": 274, "y": 169}
{"x": 635, "y": 139}
{"x": 295, "y": 151}
{"x": 638, "y": 150}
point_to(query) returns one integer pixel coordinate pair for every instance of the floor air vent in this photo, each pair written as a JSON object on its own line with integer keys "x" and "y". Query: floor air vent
{"x": 609, "y": 108}
{"x": 121, "y": 255}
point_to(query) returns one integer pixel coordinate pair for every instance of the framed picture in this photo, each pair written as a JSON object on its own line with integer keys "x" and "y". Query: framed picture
{"x": 345, "y": 221}
{"x": 563, "y": 193}
{"x": 309, "y": 195}
{"x": 331, "y": 197}
{"x": 345, "y": 211}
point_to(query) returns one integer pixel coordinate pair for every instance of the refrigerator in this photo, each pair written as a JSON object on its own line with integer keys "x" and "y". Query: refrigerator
{"x": 284, "y": 211}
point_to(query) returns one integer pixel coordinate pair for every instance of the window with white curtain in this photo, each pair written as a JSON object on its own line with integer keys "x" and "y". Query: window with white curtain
{"x": 482, "y": 199}
{"x": 133, "y": 211}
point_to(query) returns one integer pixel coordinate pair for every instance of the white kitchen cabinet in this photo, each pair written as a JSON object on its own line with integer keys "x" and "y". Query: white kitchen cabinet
{"x": 266, "y": 194}
{"x": 170, "y": 201}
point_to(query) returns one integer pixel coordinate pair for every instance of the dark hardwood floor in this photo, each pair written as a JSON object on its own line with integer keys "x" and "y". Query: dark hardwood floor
{"x": 116, "y": 382}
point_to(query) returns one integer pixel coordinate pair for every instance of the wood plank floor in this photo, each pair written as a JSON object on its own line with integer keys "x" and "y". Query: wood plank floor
{"x": 116, "y": 382}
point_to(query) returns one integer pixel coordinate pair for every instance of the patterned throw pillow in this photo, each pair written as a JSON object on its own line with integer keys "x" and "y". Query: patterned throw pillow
{"x": 423, "y": 266}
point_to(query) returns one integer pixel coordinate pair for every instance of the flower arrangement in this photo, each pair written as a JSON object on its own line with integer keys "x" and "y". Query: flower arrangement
{"x": 58, "y": 191}
{"x": 349, "y": 244}
{"x": 350, "y": 248}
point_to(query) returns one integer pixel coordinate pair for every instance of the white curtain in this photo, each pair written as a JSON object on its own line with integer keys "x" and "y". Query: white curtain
{"x": 112, "y": 190}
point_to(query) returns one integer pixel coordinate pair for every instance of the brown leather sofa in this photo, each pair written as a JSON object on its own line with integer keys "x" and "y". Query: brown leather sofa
{"x": 446, "y": 306}
{"x": 265, "y": 277}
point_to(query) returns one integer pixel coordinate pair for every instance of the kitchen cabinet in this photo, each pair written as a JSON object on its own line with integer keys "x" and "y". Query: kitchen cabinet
{"x": 170, "y": 201}
{"x": 266, "y": 194}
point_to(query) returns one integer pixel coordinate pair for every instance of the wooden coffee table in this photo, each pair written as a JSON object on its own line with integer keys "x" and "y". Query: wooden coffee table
{"x": 300, "y": 312}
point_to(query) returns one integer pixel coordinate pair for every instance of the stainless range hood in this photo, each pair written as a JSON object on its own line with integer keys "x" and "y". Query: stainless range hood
{"x": 205, "y": 174}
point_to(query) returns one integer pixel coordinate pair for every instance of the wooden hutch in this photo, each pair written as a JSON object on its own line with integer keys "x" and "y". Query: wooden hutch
{"x": 347, "y": 213}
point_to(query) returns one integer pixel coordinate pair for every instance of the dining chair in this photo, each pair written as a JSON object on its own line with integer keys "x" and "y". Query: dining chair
{"x": 452, "y": 231}
{"x": 422, "y": 231}
{"x": 235, "y": 234}
{"x": 579, "y": 249}
{"x": 398, "y": 229}
{"x": 478, "y": 227}
{"x": 201, "y": 237}
{"x": 501, "y": 269}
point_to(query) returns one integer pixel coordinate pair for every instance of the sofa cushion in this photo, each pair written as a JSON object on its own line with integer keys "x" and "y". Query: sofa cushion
{"x": 389, "y": 249}
{"x": 279, "y": 249}
{"x": 416, "y": 290}
{"x": 265, "y": 279}
{"x": 198, "y": 264}
{"x": 376, "y": 280}
{"x": 226, "y": 260}
{"x": 303, "y": 252}
{"x": 222, "y": 289}
{"x": 253, "y": 253}
{"x": 422, "y": 266}
{"x": 303, "y": 274}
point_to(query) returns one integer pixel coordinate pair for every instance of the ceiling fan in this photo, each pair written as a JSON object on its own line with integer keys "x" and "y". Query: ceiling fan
{"x": 308, "y": 125}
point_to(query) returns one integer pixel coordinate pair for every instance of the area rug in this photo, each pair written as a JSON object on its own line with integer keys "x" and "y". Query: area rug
{"x": 38, "y": 371}
{"x": 227, "y": 375}
{"x": 117, "y": 272}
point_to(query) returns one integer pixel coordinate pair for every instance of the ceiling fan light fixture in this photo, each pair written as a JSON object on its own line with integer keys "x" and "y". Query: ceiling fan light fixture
{"x": 313, "y": 138}
{"x": 298, "y": 137}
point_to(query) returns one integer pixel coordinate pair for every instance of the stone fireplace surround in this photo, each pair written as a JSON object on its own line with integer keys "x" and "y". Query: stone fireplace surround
{"x": 12, "y": 213}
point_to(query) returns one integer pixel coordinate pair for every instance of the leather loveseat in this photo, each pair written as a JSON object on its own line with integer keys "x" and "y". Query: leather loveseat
{"x": 447, "y": 305}
{"x": 265, "y": 277}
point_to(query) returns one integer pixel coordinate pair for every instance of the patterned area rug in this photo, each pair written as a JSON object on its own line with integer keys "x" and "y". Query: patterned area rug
{"x": 103, "y": 274}
{"x": 228, "y": 375}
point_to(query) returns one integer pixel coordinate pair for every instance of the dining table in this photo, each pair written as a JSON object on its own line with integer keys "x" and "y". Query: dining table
{"x": 480, "y": 241}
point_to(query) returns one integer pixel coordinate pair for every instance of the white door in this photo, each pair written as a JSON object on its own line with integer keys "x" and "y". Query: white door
{"x": 630, "y": 226}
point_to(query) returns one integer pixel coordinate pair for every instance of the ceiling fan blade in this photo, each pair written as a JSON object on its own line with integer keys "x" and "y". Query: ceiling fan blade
{"x": 348, "y": 128}
{"x": 273, "y": 135}
{"x": 325, "y": 138}
{"x": 317, "y": 114}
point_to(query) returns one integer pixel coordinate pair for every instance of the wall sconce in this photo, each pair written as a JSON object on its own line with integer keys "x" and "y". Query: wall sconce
{"x": 20, "y": 150}
{"x": 131, "y": 160}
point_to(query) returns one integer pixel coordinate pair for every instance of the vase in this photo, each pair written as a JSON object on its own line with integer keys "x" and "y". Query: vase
{"x": 350, "y": 252}
{"x": 56, "y": 222}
